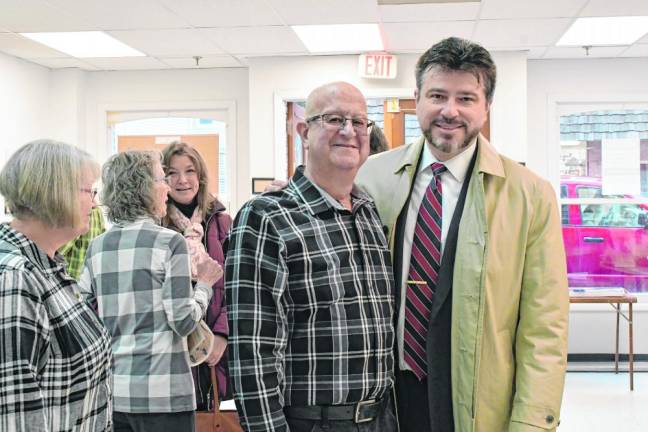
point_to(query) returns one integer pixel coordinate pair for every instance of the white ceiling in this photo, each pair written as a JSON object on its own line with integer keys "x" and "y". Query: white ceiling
{"x": 225, "y": 33}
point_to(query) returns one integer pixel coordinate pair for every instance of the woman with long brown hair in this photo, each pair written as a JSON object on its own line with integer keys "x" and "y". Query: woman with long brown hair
{"x": 202, "y": 219}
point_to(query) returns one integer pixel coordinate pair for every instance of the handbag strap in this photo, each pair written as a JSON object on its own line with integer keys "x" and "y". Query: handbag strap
{"x": 214, "y": 380}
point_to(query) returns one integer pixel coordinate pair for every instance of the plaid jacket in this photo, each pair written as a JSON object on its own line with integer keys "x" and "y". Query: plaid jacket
{"x": 309, "y": 291}
{"x": 55, "y": 358}
{"x": 74, "y": 251}
{"x": 139, "y": 274}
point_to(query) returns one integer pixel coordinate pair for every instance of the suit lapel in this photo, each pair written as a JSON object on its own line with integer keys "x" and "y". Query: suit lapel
{"x": 406, "y": 183}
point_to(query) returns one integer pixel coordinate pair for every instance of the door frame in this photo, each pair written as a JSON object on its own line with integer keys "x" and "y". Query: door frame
{"x": 103, "y": 138}
{"x": 280, "y": 99}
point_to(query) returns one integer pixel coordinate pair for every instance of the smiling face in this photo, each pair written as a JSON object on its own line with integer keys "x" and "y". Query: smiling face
{"x": 451, "y": 108}
{"x": 183, "y": 179}
{"x": 332, "y": 150}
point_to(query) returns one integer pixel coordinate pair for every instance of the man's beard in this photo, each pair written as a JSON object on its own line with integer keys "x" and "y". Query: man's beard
{"x": 445, "y": 146}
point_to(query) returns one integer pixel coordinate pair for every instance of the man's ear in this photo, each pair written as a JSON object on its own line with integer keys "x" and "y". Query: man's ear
{"x": 416, "y": 95}
{"x": 302, "y": 130}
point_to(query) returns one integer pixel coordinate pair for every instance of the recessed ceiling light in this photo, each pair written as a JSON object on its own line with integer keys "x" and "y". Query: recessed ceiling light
{"x": 605, "y": 31}
{"x": 85, "y": 44}
{"x": 340, "y": 37}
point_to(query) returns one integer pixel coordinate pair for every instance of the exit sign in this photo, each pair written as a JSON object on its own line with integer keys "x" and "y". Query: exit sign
{"x": 382, "y": 66}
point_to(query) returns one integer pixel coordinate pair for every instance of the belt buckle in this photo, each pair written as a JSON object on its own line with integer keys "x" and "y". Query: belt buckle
{"x": 356, "y": 417}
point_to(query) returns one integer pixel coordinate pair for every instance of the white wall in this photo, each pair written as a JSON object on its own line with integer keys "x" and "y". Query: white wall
{"x": 554, "y": 85}
{"x": 24, "y": 92}
{"x": 273, "y": 79}
{"x": 508, "y": 119}
{"x": 66, "y": 115}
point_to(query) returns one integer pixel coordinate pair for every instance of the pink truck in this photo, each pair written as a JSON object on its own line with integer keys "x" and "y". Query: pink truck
{"x": 606, "y": 243}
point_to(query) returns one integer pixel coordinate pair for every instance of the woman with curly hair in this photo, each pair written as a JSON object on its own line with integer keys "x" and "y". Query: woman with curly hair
{"x": 139, "y": 274}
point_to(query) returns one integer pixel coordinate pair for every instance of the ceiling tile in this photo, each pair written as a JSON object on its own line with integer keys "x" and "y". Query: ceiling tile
{"x": 636, "y": 50}
{"x": 224, "y": 13}
{"x": 256, "y": 40}
{"x": 531, "y": 52}
{"x": 502, "y": 9}
{"x": 245, "y": 61}
{"x": 205, "y": 62}
{"x": 63, "y": 62}
{"x": 523, "y": 32}
{"x": 38, "y": 16}
{"x": 122, "y": 14}
{"x": 296, "y": 12}
{"x": 429, "y": 12}
{"x": 22, "y": 47}
{"x": 126, "y": 63}
{"x": 417, "y": 37}
{"x": 579, "y": 52}
{"x": 170, "y": 43}
{"x": 615, "y": 8}
{"x": 536, "y": 52}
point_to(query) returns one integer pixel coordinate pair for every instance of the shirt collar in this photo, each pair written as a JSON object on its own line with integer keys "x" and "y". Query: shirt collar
{"x": 30, "y": 250}
{"x": 140, "y": 220}
{"x": 318, "y": 200}
{"x": 457, "y": 166}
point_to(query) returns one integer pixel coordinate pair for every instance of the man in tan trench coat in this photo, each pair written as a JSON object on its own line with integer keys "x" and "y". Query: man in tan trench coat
{"x": 493, "y": 350}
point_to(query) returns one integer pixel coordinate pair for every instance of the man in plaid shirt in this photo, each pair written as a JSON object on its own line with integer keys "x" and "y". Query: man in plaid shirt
{"x": 74, "y": 251}
{"x": 310, "y": 287}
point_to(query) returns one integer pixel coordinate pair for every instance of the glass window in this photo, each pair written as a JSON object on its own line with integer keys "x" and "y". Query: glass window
{"x": 604, "y": 198}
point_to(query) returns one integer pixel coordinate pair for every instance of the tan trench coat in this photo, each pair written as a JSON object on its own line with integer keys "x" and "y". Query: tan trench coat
{"x": 509, "y": 297}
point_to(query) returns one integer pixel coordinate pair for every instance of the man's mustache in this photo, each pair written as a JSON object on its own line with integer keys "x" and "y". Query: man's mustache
{"x": 448, "y": 122}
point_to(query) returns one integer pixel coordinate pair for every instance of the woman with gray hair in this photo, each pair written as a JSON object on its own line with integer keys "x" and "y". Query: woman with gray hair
{"x": 139, "y": 274}
{"x": 54, "y": 352}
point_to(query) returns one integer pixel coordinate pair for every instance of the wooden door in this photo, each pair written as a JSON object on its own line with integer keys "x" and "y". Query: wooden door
{"x": 395, "y": 122}
{"x": 296, "y": 152}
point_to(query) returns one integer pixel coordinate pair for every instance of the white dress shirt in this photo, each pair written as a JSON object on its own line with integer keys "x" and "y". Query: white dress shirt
{"x": 451, "y": 183}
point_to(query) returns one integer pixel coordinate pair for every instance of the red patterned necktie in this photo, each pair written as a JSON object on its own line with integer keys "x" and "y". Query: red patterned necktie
{"x": 423, "y": 274}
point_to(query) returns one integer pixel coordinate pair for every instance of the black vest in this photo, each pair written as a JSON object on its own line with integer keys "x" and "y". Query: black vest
{"x": 438, "y": 337}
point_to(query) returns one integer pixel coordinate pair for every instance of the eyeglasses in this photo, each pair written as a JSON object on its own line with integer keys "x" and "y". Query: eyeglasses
{"x": 92, "y": 192}
{"x": 162, "y": 179}
{"x": 360, "y": 125}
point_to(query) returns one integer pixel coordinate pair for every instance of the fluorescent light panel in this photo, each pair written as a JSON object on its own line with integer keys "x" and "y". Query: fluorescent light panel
{"x": 85, "y": 44}
{"x": 400, "y": 2}
{"x": 605, "y": 31}
{"x": 340, "y": 37}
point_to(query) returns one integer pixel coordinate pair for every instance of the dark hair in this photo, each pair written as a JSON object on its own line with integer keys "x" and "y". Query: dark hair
{"x": 377, "y": 141}
{"x": 456, "y": 54}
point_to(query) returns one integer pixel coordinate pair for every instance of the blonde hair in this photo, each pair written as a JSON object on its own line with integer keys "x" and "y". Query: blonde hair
{"x": 204, "y": 199}
{"x": 42, "y": 180}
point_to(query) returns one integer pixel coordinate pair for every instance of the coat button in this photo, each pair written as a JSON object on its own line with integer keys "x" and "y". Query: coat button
{"x": 549, "y": 419}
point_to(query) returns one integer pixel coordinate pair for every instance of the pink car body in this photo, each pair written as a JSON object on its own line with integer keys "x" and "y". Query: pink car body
{"x": 606, "y": 244}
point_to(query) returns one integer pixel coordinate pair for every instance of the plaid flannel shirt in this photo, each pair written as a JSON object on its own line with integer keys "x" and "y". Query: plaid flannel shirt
{"x": 309, "y": 290}
{"x": 74, "y": 251}
{"x": 55, "y": 357}
{"x": 138, "y": 272}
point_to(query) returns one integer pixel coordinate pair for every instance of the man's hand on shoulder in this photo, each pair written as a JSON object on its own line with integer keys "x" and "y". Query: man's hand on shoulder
{"x": 276, "y": 186}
